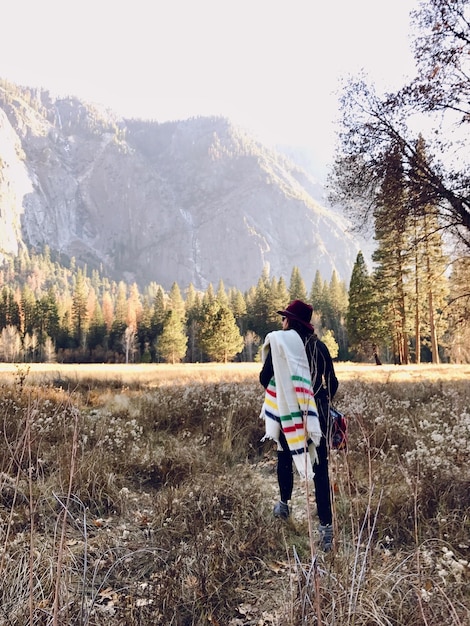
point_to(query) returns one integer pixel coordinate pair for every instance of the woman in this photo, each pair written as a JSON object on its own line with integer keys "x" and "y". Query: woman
{"x": 297, "y": 317}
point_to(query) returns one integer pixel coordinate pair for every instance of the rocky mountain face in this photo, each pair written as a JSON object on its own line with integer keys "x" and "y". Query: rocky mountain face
{"x": 192, "y": 201}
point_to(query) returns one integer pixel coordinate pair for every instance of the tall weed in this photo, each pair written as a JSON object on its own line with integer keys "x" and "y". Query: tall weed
{"x": 151, "y": 504}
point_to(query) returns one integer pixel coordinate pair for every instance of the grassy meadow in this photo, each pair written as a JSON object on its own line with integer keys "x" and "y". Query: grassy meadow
{"x": 142, "y": 495}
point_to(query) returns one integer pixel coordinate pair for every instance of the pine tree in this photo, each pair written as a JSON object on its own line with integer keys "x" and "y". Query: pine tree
{"x": 190, "y": 298}
{"x": 392, "y": 255}
{"x": 219, "y": 336}
{"x": 158, "y": 315}
{"x": 97, "y": 333}
{"x": 46, "y": 318}
{"x": 52, "y": 318}
{"x": 363, "y": 320}
{"x": 209, "y": 295}
{"x": 297, "y": 290}
{"x": 221, "y": 294}
{"x": 317, "y": 293}
{"x": 172, "y": 342}
{"x": 236, "y": 303}
{"x": 459, "y": 307}
{"x": 119, "y": 324}
{"x": 144, "y": 332}
{"x": 430, "y": 263}
{"x": 9, "y": 309}
{"x": 27, "y": 305}
{"x": 335, "y": 308}
{"x": 262, "y": 306}
{"x": 79, "y": 310}
{"x": 65, "y": 339}
{"x": 176, "y": 302}
{"x": 193, "y": 318}
{"x": 108, "y": 310}
{"x": 281, "y": 294}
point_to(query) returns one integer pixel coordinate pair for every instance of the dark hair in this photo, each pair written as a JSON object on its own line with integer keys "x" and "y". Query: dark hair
{"x": 302, "y": 330}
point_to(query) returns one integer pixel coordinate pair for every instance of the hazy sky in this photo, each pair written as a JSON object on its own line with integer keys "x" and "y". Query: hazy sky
{"x": 270, "y": 65}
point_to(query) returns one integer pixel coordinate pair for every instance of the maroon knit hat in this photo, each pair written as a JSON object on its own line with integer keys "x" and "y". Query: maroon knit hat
{"x": 300, "y": 311}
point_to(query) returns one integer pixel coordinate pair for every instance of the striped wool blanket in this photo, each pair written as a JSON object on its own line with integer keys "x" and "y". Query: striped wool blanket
{"x": 289, "y": 403}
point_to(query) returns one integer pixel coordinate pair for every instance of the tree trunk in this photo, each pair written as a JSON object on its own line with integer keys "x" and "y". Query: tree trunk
{"x": 417, "y": 315}
{"x": 432, "y": 328}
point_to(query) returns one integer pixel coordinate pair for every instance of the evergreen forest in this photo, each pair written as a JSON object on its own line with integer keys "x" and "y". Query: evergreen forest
{"x": 51, "y": 310}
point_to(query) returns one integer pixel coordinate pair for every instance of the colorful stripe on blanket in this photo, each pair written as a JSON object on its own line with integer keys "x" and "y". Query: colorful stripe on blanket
{"x": 292, "y": 424}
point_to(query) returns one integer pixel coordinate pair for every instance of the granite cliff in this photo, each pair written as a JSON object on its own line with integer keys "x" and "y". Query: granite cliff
{"x": 188, "y": 201}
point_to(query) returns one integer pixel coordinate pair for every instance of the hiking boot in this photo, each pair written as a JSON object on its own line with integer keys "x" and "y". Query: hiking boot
{"x": 326, "y": 537}
{"x": 281, "y": 510}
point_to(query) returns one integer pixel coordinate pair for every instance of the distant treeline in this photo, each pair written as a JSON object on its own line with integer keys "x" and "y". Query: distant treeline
{"x": 53, "y": 310}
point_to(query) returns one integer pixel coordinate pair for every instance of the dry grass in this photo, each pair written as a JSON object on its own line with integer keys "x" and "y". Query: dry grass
{"x": 142, "y": 495}
{"x": 117, "y": 376}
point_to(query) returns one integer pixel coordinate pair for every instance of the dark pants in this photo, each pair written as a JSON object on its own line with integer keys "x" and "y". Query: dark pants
{"x": 285, "y": 473}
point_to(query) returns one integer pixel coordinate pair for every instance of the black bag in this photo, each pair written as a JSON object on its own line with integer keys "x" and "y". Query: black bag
{"x": 339, "y": 430}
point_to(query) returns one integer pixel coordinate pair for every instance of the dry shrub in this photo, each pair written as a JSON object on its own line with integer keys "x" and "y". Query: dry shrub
{"x": 222, "y": 413}
{"x": 211, "y": 537}
{"x": 151, "y": 504}
{"x": 414, "y": 439}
